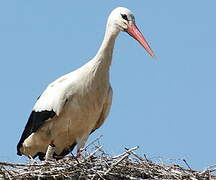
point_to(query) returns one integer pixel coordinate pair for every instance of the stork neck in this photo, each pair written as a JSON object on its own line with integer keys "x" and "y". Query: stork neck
{"x": 104, "y": 54}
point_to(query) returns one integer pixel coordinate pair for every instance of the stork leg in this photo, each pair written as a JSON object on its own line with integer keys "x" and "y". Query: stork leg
{"x": 80, "y": 145}
{"x": 50, "y": 151}
{"x": 78, "y": 153}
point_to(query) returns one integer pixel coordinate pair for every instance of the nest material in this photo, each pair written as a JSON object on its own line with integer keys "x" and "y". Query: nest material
{"x": 99, "y": 165}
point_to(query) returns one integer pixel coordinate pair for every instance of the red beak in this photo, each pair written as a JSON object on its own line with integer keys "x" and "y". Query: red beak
{"x": 136, "y": 34}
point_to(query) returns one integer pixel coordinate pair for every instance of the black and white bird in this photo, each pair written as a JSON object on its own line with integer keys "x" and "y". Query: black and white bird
{"x": 76, "y": 104}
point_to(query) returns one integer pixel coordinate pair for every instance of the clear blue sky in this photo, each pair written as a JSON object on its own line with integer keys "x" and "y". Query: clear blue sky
{"x": 167, "y": 106}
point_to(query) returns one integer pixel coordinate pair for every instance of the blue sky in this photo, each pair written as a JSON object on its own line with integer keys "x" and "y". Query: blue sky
{"x": 166, "y": 106}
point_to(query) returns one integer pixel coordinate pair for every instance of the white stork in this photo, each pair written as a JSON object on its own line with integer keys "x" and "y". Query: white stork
{"x": 76, "y": 104}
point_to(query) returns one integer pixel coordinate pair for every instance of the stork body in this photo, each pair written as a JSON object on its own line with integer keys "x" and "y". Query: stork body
{"x": 76, "y": 104}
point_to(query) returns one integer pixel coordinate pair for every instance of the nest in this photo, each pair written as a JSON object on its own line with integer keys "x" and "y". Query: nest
{"x": 97, "y": 164}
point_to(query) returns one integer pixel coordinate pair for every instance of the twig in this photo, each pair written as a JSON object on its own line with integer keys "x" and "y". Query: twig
{"x": 10, "y": 176}
{"x": 90, "y": 155}
{"x": 22, "y": 164}
{"x": 132, "y": 149}
{"x": 127, "y": 153}
{"x": 131, "y": 152}
{"x": 97, "y": 139}
{"x": 97, "y": 173}
{"x": 146, "y": 158}
{"x": 76, "y": 159}
{"x": 115, "y": 163}
{"x": 187, "y": 164}
{"x": 209, "y": 169}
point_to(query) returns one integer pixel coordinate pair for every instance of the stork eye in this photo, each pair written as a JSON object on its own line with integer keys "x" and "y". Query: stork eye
{"x": 124, "y": 16}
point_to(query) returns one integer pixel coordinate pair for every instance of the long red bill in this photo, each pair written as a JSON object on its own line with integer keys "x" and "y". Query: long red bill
{"x": 136, "y": 34}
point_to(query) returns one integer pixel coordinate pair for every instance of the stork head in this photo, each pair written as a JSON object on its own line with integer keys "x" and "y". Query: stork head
{"x": 122, "y": 19}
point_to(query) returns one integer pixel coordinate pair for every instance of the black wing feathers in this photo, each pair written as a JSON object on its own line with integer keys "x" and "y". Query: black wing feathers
{"x": 35, "y": 121}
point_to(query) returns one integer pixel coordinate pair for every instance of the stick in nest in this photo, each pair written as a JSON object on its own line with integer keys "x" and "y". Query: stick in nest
{"x": 127, "y": 153}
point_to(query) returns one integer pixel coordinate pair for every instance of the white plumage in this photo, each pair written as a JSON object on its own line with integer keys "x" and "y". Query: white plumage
{"x": 76, "y": 104}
